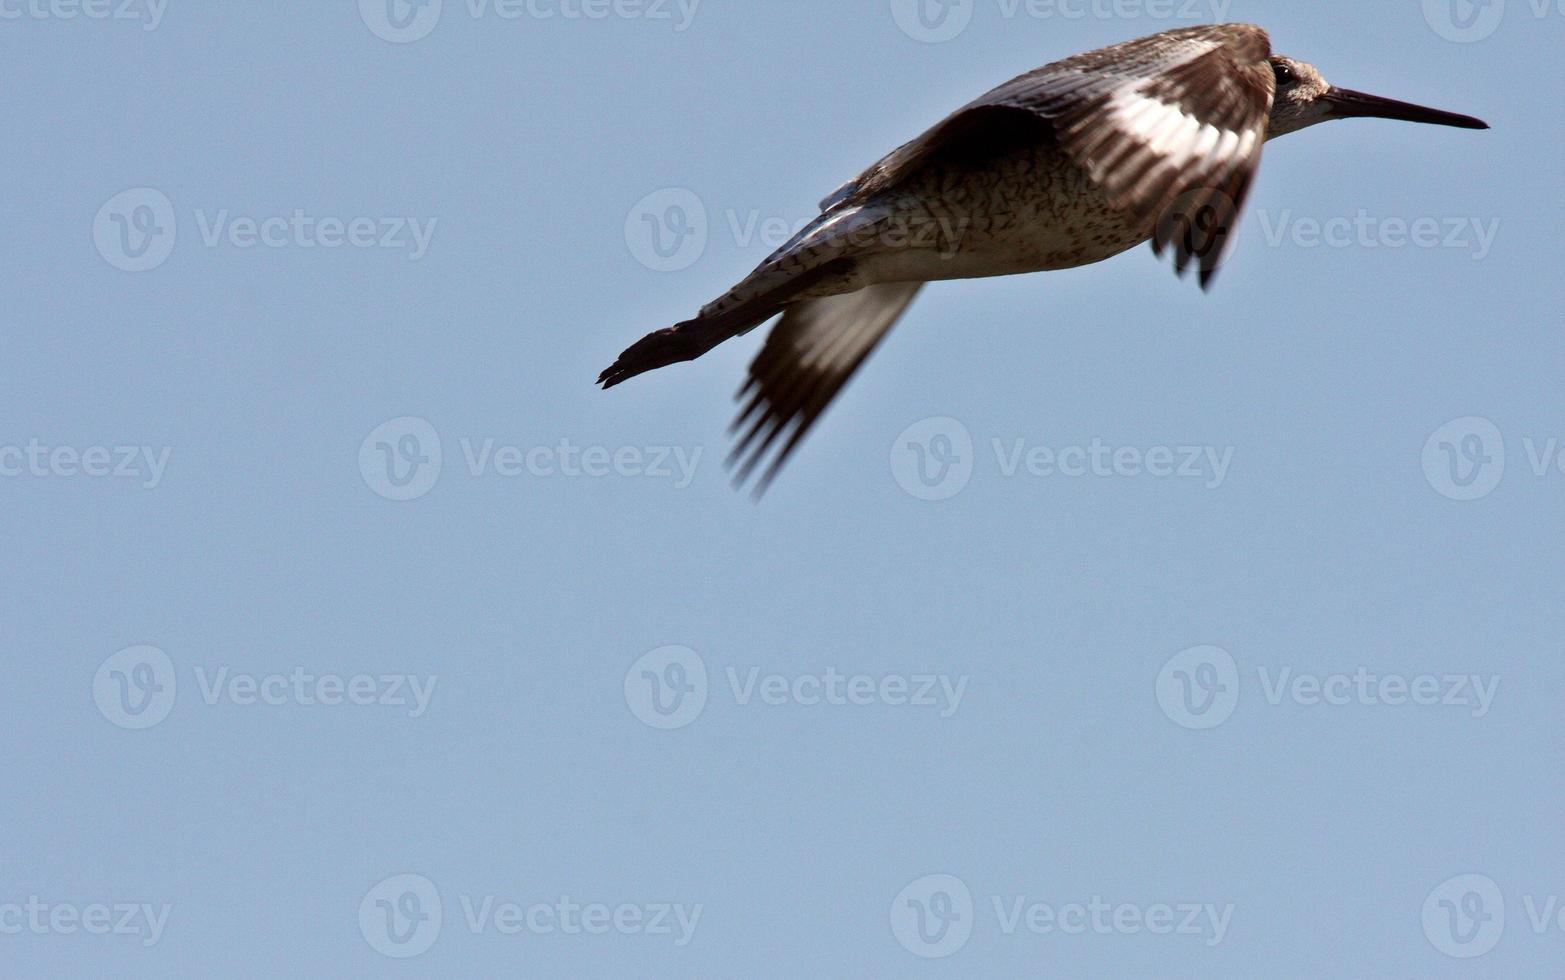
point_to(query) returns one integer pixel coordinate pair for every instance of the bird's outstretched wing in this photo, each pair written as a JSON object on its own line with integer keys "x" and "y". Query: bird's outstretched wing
{"x": 807, "y": 358}
{"x": 1170, "y": 126}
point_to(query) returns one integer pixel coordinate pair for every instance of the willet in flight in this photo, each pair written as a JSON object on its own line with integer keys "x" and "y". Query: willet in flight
{"x": 1082, "y": 159}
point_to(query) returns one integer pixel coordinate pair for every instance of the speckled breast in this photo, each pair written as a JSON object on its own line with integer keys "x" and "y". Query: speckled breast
{"x": 1030, "y": 210}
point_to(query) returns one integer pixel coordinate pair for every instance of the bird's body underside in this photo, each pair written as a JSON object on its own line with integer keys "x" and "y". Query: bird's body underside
{"x": 1065, "y": 166}
{"x": 1008, "y": 211}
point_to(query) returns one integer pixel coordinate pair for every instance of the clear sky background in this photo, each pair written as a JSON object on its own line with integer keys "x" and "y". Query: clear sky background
{"x": 1129, "y": 675}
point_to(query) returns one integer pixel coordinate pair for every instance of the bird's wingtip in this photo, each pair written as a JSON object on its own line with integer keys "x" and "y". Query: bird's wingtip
{"x": 613, "y": 375}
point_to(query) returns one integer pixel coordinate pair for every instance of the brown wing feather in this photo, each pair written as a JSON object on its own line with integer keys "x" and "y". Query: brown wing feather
{"x": 808, "y": 357}
{"x": 1171, "y": 126}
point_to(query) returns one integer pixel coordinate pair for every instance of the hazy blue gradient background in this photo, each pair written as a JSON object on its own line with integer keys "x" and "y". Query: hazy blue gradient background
{"x": 1059, "y": 778}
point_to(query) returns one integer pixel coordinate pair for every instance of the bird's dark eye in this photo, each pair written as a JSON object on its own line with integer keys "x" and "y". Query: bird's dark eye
{"x": 1284, "y": 73}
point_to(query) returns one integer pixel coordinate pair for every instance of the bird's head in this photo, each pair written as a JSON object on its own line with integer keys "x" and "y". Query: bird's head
{"x": 1304, "y": 98}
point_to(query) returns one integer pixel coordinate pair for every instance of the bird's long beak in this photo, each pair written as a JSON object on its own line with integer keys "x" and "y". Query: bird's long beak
{"x": 1348, "y": 104}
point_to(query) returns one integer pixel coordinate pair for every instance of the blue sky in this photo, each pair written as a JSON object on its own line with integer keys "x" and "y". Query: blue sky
{"x": 1103, "y": 627}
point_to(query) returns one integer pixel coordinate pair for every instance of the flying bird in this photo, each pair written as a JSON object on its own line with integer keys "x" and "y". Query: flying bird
{"x": 1070, "y": 164}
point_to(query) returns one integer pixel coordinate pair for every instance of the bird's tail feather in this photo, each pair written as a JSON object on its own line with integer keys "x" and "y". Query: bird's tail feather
{"x": 691, "y": 338}
{"x": 684, "y": 341}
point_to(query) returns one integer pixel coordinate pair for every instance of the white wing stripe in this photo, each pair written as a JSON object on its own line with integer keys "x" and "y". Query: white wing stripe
{"x": 1168, "y": 131}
